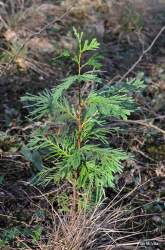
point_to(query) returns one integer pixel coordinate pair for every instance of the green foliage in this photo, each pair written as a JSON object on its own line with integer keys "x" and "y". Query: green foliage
{"x": 87, "y": 45}
{"x": 2, "y": 243}
{"x": 11, "y": 235}
{"x": 115, "y": 105}
{"x": 2, "y": 179}
{"x": 41, "y": 104}
{"x": 79, "y": 151}
{"x": 63, "y": 202}
{"x": 34, "y": 157}
{"x": 36, "y": 234}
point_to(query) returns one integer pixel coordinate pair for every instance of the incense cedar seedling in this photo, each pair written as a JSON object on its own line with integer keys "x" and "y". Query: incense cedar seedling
{"x": 79, "y": 151}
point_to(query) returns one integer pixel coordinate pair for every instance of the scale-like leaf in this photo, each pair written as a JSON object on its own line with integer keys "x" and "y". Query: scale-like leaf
{"x": 39, "y": 105}
{"x": 123, "y": 88}
{"x": 65, "y": 85}
{"x": 110, "y": 106}
{"x": 90, "y": 45}
{"x": 89, "y": 77}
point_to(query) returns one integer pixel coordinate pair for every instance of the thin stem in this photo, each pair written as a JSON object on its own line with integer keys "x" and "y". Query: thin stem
{"x": 79, "y": 127}
{"x": 79, "y": 73}
{"x": 74, "y": 197}
{"x": 79, "y": 111}
{"x": 79, "y": 124}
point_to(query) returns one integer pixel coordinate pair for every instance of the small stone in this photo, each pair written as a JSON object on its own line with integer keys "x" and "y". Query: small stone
{"x": 50, "y": 9}
{"x": 41, "y": 45}
{"x": 10, "y": 35}
{"x": 156, "y": 219}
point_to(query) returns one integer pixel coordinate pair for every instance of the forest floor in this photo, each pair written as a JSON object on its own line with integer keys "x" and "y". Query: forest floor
{"x": 132, "y": 38}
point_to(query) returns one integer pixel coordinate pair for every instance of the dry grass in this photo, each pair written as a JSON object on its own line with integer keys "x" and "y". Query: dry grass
{"x": 111, "y": 225}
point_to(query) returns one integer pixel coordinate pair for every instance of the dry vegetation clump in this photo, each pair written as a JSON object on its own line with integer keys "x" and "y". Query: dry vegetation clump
{"x": 111, "y": 225}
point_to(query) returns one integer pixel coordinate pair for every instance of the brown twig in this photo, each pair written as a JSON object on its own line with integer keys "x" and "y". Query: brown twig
{"x": 58, "y": 190}
{"x": 79, "y": 127}
{"x": 148, "y": 125}
{"x": 13, "y": 218}
{"x": 142, "y": 55}
{"x": 145, "y": 123}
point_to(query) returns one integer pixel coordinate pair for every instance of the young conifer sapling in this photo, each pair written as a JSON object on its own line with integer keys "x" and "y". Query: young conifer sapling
{"x": 79, "y": 151}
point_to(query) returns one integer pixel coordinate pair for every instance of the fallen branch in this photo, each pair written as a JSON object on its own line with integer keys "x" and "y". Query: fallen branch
{"x": 148, "y": 125}
{"x": 142, "y": 55}
{"x": 143, "y": 123}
